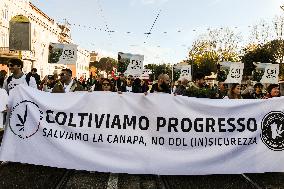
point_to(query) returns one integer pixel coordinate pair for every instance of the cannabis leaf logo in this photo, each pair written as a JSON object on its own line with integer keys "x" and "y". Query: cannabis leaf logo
{"x": 22, "y": 120}
{"x": 276, "y": 131}
{"x": 25, "y": 124}
{"x": 272, "y": 127}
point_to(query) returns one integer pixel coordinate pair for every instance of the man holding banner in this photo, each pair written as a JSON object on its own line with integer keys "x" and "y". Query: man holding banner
{"x": 69, "y": 84}
{"x": 199, "y": 88}
{"x": 18, "y": 77}
{"x": 163, "y": 85}
{"x": 120, "y": 84}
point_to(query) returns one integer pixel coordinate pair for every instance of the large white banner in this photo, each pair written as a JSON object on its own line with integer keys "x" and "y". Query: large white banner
{"x": 4, "y": 99}
{"x": 3, "y": 105}
{"x": 154, "y": 134}
{"x": 60, "y": 53}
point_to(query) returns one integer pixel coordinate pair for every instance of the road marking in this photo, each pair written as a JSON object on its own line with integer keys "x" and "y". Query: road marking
{"x": 62, "y": 180}
{"x": 250, "y": 181}
{"x": 112, "y": 181}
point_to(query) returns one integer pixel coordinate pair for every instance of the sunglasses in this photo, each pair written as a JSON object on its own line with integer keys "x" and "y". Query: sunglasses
{"x": 62, "y": 74}
{"x": 106, "y": 84}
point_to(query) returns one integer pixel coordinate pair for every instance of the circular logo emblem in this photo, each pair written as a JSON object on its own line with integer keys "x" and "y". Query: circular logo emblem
{"x": 272, "y": 127}
{"x": 25, "y": 119}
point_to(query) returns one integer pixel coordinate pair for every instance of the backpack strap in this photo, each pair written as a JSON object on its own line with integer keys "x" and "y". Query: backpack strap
{"x": 28, "y": 78}
{"x": 9, "y": 79}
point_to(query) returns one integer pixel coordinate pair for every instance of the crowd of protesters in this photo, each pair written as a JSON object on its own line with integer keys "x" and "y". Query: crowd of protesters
{"x": 64, "y": 83}
{"x": 198, "y": 88}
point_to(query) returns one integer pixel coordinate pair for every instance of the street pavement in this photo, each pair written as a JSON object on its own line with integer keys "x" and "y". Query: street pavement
{"x": 16, "y": 175}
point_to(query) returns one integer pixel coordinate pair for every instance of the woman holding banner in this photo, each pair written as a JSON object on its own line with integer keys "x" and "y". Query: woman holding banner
{"x": 234, "y": 92}
{"x": 107, "y": 85}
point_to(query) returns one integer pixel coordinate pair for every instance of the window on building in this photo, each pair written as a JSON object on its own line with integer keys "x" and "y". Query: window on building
{"x": 5, "y": 12}
{"x": 2, "y": 40}
{"x": 6, "y": 40}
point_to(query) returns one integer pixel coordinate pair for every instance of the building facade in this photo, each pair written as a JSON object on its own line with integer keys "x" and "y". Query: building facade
{"x": 94, "y": 57}
{"x": 44, "y": 30}
{"x": 81, "y": 68}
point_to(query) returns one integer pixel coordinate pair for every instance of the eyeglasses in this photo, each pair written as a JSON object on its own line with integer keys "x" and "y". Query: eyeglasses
{"x": 62, "y": 74}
